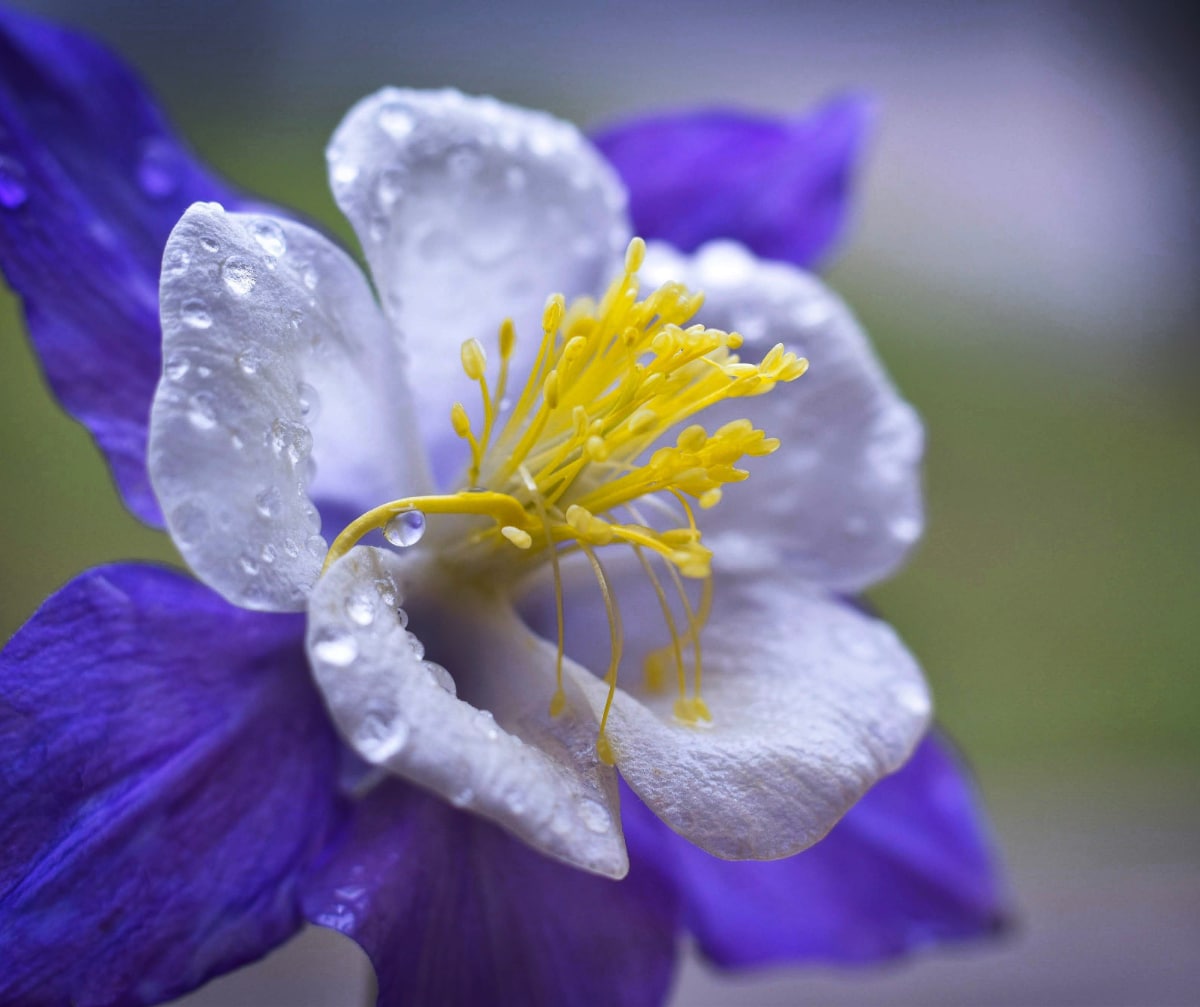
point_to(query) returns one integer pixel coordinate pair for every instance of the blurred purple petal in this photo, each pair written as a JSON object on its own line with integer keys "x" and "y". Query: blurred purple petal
{"x": 166, "y": 775}
{"x": 779, "y": 186}
{"x": 909, "y": 866}
{"x": 92, "y": 179}
{"x": 453, "y": 911}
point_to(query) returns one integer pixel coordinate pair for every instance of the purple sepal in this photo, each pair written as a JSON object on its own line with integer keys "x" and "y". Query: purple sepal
{"x": 779, "y": 186}
{"x": 455, "y": 912}
{"x": 167, "y": 775}
{"x": 910, "y": 865}
{"x": 92, "y": 179}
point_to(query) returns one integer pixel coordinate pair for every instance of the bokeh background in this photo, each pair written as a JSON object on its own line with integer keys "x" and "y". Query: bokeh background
{"x": 1024, "y": 252}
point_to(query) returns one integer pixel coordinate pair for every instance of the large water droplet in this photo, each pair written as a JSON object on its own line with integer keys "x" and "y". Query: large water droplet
{"x": 195, "y": 313}
{"x": 406, "y": 529}
{"x": 239, "y": 275}
{"x": 309, "y": 401}
{"x": 440, "y": 677}
{"x": 158, "y": 168}
{"x": 13, "y": 191}
{"x": 335, "y": 647}
{"x": 269, "y": 236}
{"x": 249, "y": 360}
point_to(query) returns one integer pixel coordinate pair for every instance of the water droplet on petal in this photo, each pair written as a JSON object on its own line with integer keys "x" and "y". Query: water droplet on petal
{"x": 385, "y": 587}
{"x": 195, "y": 313}
{"x": 406, "y": 529}
{"x": 402, "y": 618}
{"x": 178, "y": 260}
{"x": 360, "y": 609}
{"x": 13, "y": 191}
{"x": 189, "y": 522}
{"x": 440, "y": 677}
{"x": 268, "y": 553}
{"x": 268, "y": 501}
{"x": 239, "y": 275}
{"x": 176, "y": 366}
{"x": 210, "y": 244}
{"x": 905, "y": 529}
{"x": 202, "y": 411}
{"x": 249, "y": 360}
{"x": 316, "y": 546}
{"x": 462, "y": 797}
{"x": 345, "y": 174}
{"x": 158, "y": 168}
{"x": 396, "y": 121}
{"x": 335, "y": 647}
{"x": 269, "y": 236}
{"x": 309, "y": 401}
{"x": 248, "y": 564}
{"x": 594, "y": 815}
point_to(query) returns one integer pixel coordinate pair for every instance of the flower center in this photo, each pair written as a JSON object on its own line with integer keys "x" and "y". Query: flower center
{"x": 579, "y": 459}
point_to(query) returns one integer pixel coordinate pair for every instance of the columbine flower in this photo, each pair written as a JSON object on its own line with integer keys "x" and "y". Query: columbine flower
{"x": 582, "y": 581}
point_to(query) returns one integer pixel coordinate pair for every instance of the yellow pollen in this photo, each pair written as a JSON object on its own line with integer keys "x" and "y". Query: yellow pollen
{"x": 601, "y": 426}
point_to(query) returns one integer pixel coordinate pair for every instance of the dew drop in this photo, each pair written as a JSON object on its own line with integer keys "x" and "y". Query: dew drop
{"x": 335, "y": 647}
{"x": 406, "y": 529}
{"x": 178, "y": 260}
{"x": 385, "y": 587}
{"x": 269, "y": 553}
{"x": 195, "y": 313}
{"x": 594, "y": 816}
{"x": 248, "y": 564}
{"x": 390, "y": 187}
{"x": 396, "y": 121}
{"x": 440, "y": 677}
{"x": 462, "y": 797}
{"x": 268, "y": 502}
{"x": 414, "y": 642}
{"x": 345, "y": 174}
{"x": 360, "y": 609}
{"x": 249, "y": 360}
{"x": 379, "y": 737}
{"x": 239, "y": 275}
{"x": 210, "y": 244}
{"x": 402, "y": 618}
{"x": 176, "y": 366}
{"x": 905, "y": 529}
{"x": 13, "y": 193}
{"x": 202, "y": 411}
{"x": 269, "y": 236}
{"x": 158, "y": 169}
{"x": 189, "y": 522}
{"x": 309, "y": 401}
{"x": 316, "y": 546}
{"x": 310, "y": 278}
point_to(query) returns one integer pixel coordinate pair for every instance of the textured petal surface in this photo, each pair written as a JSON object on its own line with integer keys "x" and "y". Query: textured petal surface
{"x": 841, "y": 499}
{"x": 167, "y": 775}
{"x": 812, "y": 702}
{"x": 480, "y": 734}
{"x": 454, "y": 911}
{"x": 281, "y": 394}
{"x": 92, "y": 179}
{"x": 910, "y": 865}
{"x": 779, "y": 186}
{"x": 471, "y": 211}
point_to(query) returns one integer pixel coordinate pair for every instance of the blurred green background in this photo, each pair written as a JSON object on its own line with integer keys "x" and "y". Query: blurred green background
{"x": 1054, "y": 603}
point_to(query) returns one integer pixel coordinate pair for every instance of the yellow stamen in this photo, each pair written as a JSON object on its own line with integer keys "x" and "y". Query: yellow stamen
{"x": 588, "y": 437}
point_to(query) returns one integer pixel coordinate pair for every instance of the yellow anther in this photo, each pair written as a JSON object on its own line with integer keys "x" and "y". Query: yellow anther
{"x": 709, "y": 498}
{"x": 635, "y": 255}
{"x": 517, "y": 536}
{"x": 550, "y": 390}
{"x": 459, "y": 420}
{"x": 474, "y": 360}
{"x": 597, "y": 450}
{"x": 556, "y": 305}
{"x": 508, "y": 338}
{"x": 692, "y": 438}
{"x": 642, "y": 420}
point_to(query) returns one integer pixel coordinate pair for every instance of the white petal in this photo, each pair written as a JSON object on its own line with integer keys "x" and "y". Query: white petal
{"x": 277, "y": 365}
{"x": 496, "y": 751}
{"x": 471, "y": 211}
{"x": 812, "y": 702}
{"x": 842, "y": 497}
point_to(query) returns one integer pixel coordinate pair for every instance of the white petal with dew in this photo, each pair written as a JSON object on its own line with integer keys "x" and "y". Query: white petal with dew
{"x": 279, "y": 385}
{"x": 812, "y": 702}
{"x": 841, "y": 498}
{"x": 504, "y": 758}
{"x": 471, "y": 211}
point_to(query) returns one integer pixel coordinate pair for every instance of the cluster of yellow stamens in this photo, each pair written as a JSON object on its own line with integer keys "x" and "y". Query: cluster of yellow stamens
{"x": 568, "y": 465}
